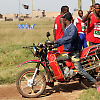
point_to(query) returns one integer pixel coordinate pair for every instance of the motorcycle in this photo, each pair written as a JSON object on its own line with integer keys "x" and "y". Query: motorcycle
{"x": 57, "y": 65}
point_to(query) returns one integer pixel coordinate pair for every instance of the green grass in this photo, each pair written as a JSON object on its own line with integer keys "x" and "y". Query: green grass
{"x": 11, "y": 42}
{"x": 90, "y": 94}
{"x": 12, "y": 54}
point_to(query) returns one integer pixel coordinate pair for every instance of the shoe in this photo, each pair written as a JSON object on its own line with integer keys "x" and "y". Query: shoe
{"x": 51, "y": 84}
{"x": 98, "y": 89}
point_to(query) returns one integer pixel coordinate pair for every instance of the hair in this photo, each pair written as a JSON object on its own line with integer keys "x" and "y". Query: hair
{"x": 68, "y": 16}
{"x": 97, "y": 3}
{"x": 79, "y": 11}
{"x": 63, "y": 8}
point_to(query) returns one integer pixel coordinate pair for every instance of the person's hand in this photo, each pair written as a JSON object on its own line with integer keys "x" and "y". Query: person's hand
{"x": 54, "y": 41}
{"x": 91, "y": 8}
{"x": 51, "y": 47}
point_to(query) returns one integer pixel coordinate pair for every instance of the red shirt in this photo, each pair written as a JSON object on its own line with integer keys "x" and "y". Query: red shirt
{"x": 58, "y": 28}
{"x": 93, "y": 30}
{"x": 58, "y": 31}
{"x": 80, "y": 26}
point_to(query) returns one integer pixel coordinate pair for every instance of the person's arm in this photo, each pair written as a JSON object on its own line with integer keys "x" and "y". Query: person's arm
{"x": 68, "y": 38}
{"x": 62, "y": 24}
{"x": 75, "y": 21}
{"x": 55, "y": 44}
{"x": 88, "y": 15}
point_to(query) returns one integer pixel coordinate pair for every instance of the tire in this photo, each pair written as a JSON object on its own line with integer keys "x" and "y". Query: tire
{"x": 85, "y": 83}
{"x": 25, "y": 85}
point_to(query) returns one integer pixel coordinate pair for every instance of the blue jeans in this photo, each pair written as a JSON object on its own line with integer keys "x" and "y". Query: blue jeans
{"x": 76, "y": 60}
{"x": 82, "y": 39}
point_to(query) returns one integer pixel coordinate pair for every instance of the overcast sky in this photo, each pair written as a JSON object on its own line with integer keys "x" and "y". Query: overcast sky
{"x": 12, "y": 6}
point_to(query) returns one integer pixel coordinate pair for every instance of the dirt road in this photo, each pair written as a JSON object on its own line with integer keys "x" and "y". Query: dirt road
{"x": 61, "y": 91}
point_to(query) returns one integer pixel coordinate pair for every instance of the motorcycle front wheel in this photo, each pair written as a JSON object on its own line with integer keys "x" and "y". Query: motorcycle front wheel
{"x": 28, "y": 87}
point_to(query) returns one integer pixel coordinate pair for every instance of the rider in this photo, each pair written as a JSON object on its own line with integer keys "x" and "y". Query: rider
{"x": 70, "y": 40}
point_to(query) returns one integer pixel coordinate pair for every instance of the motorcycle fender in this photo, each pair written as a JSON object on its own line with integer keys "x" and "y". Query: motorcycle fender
{"x": 30, "y": 61}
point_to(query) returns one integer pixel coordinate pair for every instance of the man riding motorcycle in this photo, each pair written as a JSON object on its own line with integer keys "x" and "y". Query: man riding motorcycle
{"x": 70, "y": 40}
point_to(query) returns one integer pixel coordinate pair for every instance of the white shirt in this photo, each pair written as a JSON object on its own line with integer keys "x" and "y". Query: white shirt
{"x": 76, "y": 20}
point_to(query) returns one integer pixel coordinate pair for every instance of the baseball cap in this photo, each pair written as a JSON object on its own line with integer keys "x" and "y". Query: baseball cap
{"x": 67, "y": 15}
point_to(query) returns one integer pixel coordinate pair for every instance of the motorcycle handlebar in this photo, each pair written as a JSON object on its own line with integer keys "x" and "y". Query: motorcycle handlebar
{"x": 49, "y": 42}
{"x": 28, "y": 47}
{"x": 25, "y": 47}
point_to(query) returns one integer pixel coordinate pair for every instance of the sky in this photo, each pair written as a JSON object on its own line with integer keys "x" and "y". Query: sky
{"x": 12, "y": 6}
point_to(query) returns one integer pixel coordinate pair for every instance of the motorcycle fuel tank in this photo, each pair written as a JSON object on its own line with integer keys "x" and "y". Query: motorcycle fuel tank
{"x": 55, "y": 67}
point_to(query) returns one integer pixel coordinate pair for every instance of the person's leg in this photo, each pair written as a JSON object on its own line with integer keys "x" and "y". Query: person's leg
{"x": 84, "y": 73}
{"x": 85, "y": 41}
{"x": 75, "y": 59}
{"x": 80, "y": 40}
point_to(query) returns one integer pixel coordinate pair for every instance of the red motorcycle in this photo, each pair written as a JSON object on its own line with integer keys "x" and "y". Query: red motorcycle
{"x": 57, "y": 65}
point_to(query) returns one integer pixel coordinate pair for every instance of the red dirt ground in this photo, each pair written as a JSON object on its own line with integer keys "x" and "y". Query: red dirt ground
{"x": 64, "y": 91}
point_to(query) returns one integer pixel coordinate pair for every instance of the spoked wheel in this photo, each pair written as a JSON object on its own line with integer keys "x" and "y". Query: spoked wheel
{"x": 28, "y": 87}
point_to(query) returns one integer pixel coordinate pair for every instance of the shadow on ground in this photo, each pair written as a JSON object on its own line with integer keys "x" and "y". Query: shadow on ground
{"x": 63, "y": 87}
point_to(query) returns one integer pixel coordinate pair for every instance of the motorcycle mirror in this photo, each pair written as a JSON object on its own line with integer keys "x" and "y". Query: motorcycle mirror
{"x": 33, "y": 44}
{"x": 48, "y": 34}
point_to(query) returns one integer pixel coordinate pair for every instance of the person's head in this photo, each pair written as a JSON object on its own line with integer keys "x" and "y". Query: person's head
{"x": 97, "y": 8}
{"x": 64, "y": 9}
{"x": 67, "y": 18}
{"x": 80, "y": 13}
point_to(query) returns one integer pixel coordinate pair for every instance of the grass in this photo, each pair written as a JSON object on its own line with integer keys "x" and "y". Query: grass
{"x": 11, "y": 42}
{"x": 12, "y": 54}
{"x": 90, "y": 94}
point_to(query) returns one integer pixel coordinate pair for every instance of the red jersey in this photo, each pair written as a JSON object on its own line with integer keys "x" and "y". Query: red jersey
{"x": 80, "y": 26}
{"x": 58, "y": 28}
{"x": 93, "y": 30}
{"x": 58, "y": 31}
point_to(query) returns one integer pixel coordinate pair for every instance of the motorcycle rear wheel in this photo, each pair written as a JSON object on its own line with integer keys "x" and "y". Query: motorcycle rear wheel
{"x": 85, "y": 83}
{"x": 25, "y": 84}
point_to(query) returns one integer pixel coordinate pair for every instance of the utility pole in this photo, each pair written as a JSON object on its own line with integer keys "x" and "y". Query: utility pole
{"x": 93, "y": 1}
{"x": 32, "y": 9}
{"x": 19, "y": 10}
{"x": 79, "y": 4}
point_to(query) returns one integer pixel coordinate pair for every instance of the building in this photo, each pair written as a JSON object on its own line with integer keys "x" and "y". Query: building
{"x": 1, "y": 16}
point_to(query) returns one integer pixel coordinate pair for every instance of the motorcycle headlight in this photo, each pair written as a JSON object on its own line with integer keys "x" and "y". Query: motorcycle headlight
{"x": 40, "y": 45}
